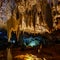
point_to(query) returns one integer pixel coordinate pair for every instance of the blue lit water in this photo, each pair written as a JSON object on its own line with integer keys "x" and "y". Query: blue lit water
{"x": 28, "y": 41}
{"x": 32, "y": 41}
{"x": 0, "y": 33}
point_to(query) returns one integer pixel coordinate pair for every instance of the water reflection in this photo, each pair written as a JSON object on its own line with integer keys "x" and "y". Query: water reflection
{"x": 28, "y": 57}
{"x": 28, "y": 39}
{"x": 9, "y": 55}
{"x": 23, "y": 56}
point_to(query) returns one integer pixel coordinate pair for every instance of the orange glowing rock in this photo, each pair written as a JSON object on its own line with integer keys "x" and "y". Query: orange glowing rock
{"x": 28, "y": 57}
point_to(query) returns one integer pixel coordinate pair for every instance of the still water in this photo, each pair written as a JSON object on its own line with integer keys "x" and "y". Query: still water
{"x": 23, "y": 56}
{"x": 10, "y": 53}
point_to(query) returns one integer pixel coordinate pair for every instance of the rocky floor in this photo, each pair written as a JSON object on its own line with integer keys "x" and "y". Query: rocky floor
{"x": 47, "y": 53}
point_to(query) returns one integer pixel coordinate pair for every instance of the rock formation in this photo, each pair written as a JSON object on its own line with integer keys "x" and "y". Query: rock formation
{"x": 34, "y": 16}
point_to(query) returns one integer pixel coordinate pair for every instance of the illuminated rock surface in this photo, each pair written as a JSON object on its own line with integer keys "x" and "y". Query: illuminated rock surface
{"x": 35, "y": 20}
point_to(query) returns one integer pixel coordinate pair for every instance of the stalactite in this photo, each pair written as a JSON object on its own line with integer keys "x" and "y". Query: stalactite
{"x": 42, "y": 4}
{"x": 40, "y": 18}
{"x": 55, "y": 3}
{"x": 28, "y": 14}
{"x": 20, "y": 19}
{"x": 48, "y": 16}
{"x": 29, "y": 19}
{"x": 26, "y": 20}
{"x": 12, "y": 25}
{"x": 31, "y": 10}
{"x": 34, "y": 11}
{"x": 17, "y": 13}
{"x": 0, "y": 4}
